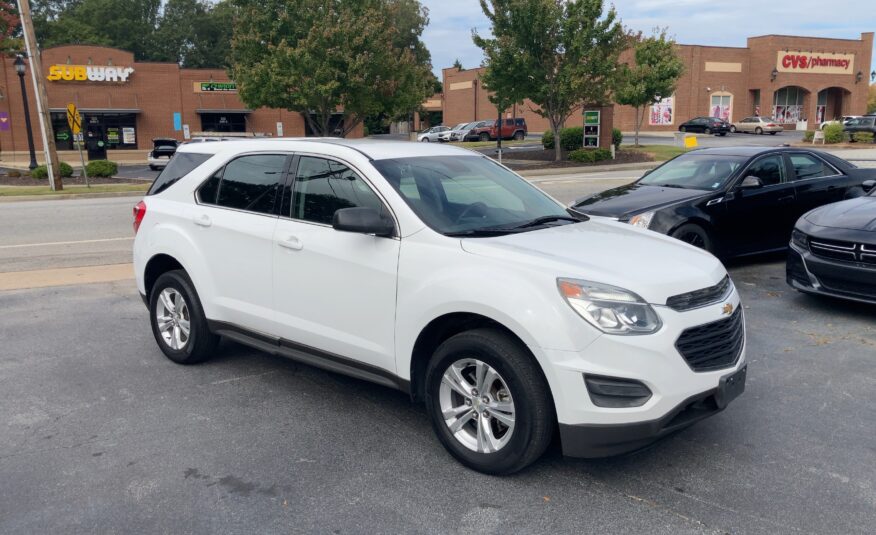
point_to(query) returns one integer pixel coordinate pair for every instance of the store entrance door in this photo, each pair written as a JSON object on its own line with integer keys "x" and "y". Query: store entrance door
{"x": 95, "y": 139}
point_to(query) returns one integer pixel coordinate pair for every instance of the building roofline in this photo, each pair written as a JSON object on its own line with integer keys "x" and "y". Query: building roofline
{"x": 858, "y": 40}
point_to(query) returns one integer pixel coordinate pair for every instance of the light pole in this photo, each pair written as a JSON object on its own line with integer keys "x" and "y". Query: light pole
{"x": 20, "y": 69}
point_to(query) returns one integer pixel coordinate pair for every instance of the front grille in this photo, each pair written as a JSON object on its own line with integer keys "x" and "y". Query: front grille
{"x": 852, "y": 288}
{"x": 699, "y": 298}
{"x": 844, "y": 251}
{"x": 714, "y": 345}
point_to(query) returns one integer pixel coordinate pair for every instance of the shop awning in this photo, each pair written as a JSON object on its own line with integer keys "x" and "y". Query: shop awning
{"x": 99, "y": 110}
{"x": 208, "y": 110}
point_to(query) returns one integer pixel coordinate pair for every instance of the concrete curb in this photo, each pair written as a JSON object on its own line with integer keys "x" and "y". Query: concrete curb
{"x": 68, "y": 196}
{"x": 589, "y": 169}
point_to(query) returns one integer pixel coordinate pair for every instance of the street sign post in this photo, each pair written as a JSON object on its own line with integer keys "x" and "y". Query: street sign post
{"x": 75, "y": 122}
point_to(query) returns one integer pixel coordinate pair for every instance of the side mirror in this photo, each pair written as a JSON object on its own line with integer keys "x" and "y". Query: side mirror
{"x": 363, "y": 220}
{"x": 751, "y": 182}
{"x": 868, "y": 185}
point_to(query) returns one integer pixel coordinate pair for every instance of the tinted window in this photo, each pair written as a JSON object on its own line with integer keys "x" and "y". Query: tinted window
{"x": 519, "y": 122}
{"x": 695, "y": 171}
{"x": 808, "y": 166}
{"x": 248, "y": 183}
{"x": 770, "y": 170}
{"x": 179, "y": 166}
{"x": 322, "y": 187}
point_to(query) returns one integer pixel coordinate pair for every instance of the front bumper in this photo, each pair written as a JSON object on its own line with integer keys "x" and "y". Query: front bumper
{"x": 605, "y": 440}
{"x": 816, "y": 275}
{"x": 680, "y": 394}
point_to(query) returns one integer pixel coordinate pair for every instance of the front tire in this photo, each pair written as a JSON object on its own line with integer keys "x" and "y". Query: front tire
{"x": 519, "y": 136}
{"x": 758, "y": 131}
{"x": 488, "y": 401}
{"x": 485, "y": 137}
{"x": 178, "y": 321}
{"x": 732, "y": 129}
{"x": 695, "y": 235}
{"x": 708, "y": 131}
{"x": 424, "y": 140}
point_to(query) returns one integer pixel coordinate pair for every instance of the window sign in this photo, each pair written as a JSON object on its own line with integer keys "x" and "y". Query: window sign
{"x": 721, "y": 106}
{"x": 113, "y": 136}
{"x": 215, "y": 87}
{"x": 662, "y": 112}
{"x": 788, "y": 107}
{"x": 129, "y": 136}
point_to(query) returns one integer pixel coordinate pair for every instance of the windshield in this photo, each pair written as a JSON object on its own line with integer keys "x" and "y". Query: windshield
{"x": 695, "y": 171}
{"x": 467, "y": 194}
{"x": 460, "y": 125}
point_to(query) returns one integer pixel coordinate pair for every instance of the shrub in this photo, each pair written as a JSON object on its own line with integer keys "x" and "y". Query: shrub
{"x": 590, "y": 155}
{"x": 863, "y": 137}
{"x": 14, "y": 173}
{"x": 42, "y": 172}
{"x": 808, "y": 136}
{"x": 833, "y": 133}
{"x": 103, "y": 168}
{"x": 616, "y": 138}
{"x": 547, "y": 140}
{"x": 572, "y": 138}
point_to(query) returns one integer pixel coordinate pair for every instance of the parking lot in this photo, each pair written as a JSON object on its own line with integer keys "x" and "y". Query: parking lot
{"x": 102, "y": 434}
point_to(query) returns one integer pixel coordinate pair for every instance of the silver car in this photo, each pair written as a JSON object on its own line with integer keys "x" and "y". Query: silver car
{"x": 757, "y": 125}
{"x": 455, "y": 133}
{"x": 432, "y": 133}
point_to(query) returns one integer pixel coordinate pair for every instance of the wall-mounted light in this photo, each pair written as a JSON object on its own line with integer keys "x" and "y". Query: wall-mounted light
{"x": 859, "y": 77}
{"x": 873, "y": 76}
{"x": 774, "y": 74}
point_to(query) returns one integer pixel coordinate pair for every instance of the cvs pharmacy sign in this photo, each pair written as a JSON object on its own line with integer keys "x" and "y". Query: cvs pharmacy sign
{"x": 820, "y": 63}
{"x": 88, "y": 73}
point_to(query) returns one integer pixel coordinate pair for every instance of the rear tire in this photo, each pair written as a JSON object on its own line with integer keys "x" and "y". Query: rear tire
{"x": 424, "y": 140}
{"x": 695, "y": 235}
{"x": 708, "y": 131}
{"x": 773, "y": 133}
{"x": 506, "y": 426}
{"x": 519, "y": 136}
{"x": 758, "y": 131}
{"x": 173, "y": 306}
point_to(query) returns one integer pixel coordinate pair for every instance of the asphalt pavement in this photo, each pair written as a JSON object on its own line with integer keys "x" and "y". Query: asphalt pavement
{"x": 102, "y": 434}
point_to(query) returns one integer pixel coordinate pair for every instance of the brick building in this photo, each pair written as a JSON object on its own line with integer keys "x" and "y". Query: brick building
{"x": 127, "y": 103}
{"x": 799, "y": 80}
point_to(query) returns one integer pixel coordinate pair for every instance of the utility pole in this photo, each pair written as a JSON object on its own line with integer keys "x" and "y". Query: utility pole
{"x": 36, "y": 72}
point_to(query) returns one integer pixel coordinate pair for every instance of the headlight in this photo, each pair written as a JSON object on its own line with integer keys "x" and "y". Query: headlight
{"x": 642, "y": 220}
{"x": 800, "y": 239}
{"x": 610, "y": 309}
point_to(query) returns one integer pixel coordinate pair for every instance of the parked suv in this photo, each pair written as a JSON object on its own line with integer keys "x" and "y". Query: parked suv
{"x": 866, "y": 123}
{"x": 478, "y": 131}
{"x": 435, "y": 270}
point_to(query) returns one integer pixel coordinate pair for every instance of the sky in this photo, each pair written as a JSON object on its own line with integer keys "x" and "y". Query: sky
{"x": 694, "y": 22}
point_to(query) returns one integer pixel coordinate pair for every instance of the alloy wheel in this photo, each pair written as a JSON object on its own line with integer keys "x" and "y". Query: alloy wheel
{"x": 174, "y": 322}
{"x": 477, "y": 406}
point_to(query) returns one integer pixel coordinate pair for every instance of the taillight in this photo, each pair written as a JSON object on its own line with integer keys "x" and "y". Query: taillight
{"x": 771, "y": 125}
{"x": 139, "y": 214}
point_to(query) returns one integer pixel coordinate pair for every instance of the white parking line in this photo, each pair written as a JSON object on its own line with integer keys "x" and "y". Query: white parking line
{"x": 49, "y": 244}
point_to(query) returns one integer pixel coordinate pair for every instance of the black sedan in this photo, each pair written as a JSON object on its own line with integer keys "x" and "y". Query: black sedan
{"x": 833, "y": 249}
{"x": 731, "y": 201}
{"x": 706, "y": 125}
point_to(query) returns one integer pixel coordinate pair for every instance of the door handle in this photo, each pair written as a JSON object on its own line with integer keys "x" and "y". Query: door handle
{"x": 202, "y": 220}
{"x": 291, "y": 242}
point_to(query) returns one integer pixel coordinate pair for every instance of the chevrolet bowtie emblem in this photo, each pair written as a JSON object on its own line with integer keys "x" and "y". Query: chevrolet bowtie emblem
{"x": 727, "y": 309}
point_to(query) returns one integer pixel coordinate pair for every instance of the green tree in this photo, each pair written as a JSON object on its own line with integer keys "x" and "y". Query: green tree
{"x": 10, "y": 29}
{"x": 560, "y": 54}
{"x": 194, "y": 33}
{"x": 458, "y": 65}
{"x": 653, "y": 75}
{"x": 320, "y": 57}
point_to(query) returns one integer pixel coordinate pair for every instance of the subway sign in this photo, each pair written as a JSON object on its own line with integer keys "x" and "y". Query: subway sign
{"x": 815, "y": 62}
{"x": 88, "y": 73}
{"x": 215, "y": 87}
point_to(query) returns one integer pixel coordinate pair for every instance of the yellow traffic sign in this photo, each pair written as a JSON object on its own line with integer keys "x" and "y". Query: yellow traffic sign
{"x": 73, "y": 119}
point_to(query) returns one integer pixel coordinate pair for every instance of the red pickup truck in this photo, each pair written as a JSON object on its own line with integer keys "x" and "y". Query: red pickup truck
{"x": 511, "y": 129}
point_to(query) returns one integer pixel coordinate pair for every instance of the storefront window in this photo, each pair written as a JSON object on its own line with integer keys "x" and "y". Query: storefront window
{"x": 116, "y": 130}
{"x": 821, "y": 108}
{"x": 662, "y": 112}
{"x": 223, "y": 122}
{"x": 788, "y": 105}
{"x": 721, "y": 106}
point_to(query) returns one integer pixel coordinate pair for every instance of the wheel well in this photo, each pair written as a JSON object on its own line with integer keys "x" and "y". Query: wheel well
{"x": 158, "y": 265}
{"x": 439, "y": 330}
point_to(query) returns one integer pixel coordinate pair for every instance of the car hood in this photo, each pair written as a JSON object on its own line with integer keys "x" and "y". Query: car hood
{"x": 650, "y": 264}
{"x": 853, "y": 214}
{"x": 634, "y": 198}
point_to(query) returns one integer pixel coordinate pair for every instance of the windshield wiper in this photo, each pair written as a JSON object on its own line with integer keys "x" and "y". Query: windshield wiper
{"x": 479, "y": 232}
{"x": 547, "y": 219}
{"x": 668, "y": 186}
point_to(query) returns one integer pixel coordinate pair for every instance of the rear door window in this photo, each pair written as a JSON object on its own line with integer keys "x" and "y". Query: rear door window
{"x": 251, "y": 183}
{"x": 181, "y": 164}
{"x": 807, "y": 166}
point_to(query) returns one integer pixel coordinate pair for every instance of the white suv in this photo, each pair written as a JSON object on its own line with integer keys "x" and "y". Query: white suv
{"x": 437, "y": 271}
